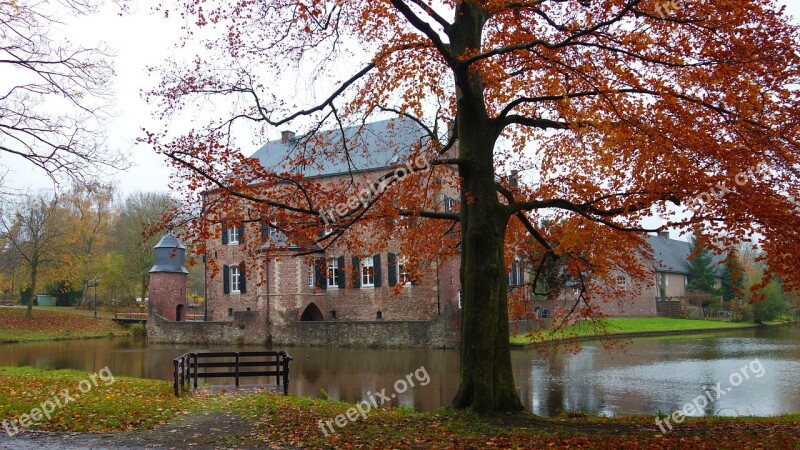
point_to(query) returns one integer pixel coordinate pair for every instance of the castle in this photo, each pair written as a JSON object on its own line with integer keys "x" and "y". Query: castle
{"x": 327, "y": 297}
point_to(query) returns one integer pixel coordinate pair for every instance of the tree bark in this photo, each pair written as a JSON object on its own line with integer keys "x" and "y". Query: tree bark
{"x": 486, "y": 381}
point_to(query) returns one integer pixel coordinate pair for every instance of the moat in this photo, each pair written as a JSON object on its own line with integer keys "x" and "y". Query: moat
{"x": 647, "y": 376}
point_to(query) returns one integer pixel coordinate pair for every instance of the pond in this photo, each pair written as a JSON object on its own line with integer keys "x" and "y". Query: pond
{"x": 744, "y": 372}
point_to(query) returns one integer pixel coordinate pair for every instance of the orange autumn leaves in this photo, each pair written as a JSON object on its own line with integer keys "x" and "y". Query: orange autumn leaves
{"x": 605, "y": 105}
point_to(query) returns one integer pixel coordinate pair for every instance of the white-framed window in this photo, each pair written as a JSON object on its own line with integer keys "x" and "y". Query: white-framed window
{"x": 622, "y": 281}
{"x": 311, "y": 279}
{"x": 272, "y": 231}
{"x": 233, "y": 235}
{"x": 460, "y": 298}
{"x": 449, "y": 204}
{"x": 403, "y": 274}
{"x": 686, "y": 280}
{"x": 367, "y": 272}
{"x": 333, "y": 272}
{"x": 235, "y": 279}
{"x": 517, "y": 275}
{"x": 666, "y": 280}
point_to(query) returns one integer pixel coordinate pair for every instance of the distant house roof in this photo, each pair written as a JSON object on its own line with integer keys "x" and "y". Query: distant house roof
{"x": 370, "y": 146}
{"x": 673, "y": 256}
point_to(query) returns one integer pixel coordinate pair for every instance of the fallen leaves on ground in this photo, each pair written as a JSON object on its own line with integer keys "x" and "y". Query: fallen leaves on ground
{"x": 265, "y": 420}
{"x": 48, "y": 324}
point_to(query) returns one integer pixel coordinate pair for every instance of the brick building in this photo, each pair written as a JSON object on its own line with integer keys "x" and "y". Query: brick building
{"x": 666, "y": 286}
{"x": 335, "y": 296}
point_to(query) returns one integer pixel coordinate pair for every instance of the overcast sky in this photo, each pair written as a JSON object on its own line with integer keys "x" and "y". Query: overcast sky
{"x": 140, "y": 40}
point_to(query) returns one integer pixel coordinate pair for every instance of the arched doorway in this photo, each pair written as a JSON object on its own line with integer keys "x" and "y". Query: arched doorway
{"x": 312, "y": 314}
{"x": 179, "y": 313}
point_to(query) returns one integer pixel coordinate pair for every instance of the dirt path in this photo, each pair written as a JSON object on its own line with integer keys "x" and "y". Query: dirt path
{"x": 212, "y": 430}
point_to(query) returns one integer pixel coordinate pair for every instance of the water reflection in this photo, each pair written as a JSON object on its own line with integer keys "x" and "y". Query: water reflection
{"x": 650, "y": 375}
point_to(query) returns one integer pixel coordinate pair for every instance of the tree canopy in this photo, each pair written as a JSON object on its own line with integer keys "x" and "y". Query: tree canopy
{"x": 612, "y": 111}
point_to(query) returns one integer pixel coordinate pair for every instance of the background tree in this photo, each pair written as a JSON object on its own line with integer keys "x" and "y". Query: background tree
{"x": 765, "y": 303}
{"x": 612, "y": 111}
{"x": 702, "y": 270}
{"x": 90, "y": 209}
{"x": 732, "y": 278}
{"x": 9, "y": 268}
{"x": 116, "y": 283}
{"x": 134, "y": 238}
{"x": 702, "y": 288}
{"x": 34, "y": 231}
{"x": 54, "y": 94}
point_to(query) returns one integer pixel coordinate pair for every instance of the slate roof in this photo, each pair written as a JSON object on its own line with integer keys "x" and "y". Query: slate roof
{"x": 370, "y": 146}
{"x": 672, "y": 256}
{"x": 169, "y": 255}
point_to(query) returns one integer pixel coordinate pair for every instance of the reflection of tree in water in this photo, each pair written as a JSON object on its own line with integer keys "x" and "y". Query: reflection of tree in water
{"x": 709, "y": 392}
{"x": 556, "y": 396}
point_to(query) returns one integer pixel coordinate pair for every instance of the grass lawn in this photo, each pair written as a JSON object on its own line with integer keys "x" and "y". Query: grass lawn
{"x": 113, "y": 404}
{"x": 47, "y": 324}
{"x": 275, "y": 421}
{"x": 633, "y": 325}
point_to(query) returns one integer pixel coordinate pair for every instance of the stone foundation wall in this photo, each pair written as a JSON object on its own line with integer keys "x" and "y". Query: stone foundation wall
{"x": 246, "y": 328}
{"x": 250, "y": 328}
{"x": 436, "y": 333}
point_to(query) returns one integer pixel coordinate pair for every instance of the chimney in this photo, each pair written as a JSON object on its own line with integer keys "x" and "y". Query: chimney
{"x": 664, "y": 234}
{"x": 287, "y": 136}
{"x": 514, "y": 178}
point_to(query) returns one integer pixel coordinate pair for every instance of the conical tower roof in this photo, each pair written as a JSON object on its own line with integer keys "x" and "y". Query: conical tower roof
{"x": 169, "y": 255}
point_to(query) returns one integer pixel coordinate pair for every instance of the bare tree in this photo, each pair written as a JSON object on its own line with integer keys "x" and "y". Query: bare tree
{"x": 54, "y": 95}
{"x": 33, "y": 232}
{"x": 135, "y": 237}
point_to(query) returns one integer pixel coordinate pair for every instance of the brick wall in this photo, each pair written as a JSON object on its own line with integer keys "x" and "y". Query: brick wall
{"x": 278, "y": 284}
{"x": 222, "y": 306}
{"x": 167, "y": 290}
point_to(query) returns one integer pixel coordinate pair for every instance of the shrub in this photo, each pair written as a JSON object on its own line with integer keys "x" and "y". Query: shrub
{"x": 138, "y": 329}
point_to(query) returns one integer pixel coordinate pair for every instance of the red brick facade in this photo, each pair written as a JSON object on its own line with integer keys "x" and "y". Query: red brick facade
{"x": 168, "y": 295}
{"x": 289, "y": 288}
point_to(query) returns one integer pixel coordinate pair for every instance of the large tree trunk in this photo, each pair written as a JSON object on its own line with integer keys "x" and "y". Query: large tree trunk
{"x": 486, "y": 382}
{"x": 486, "y": 379}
